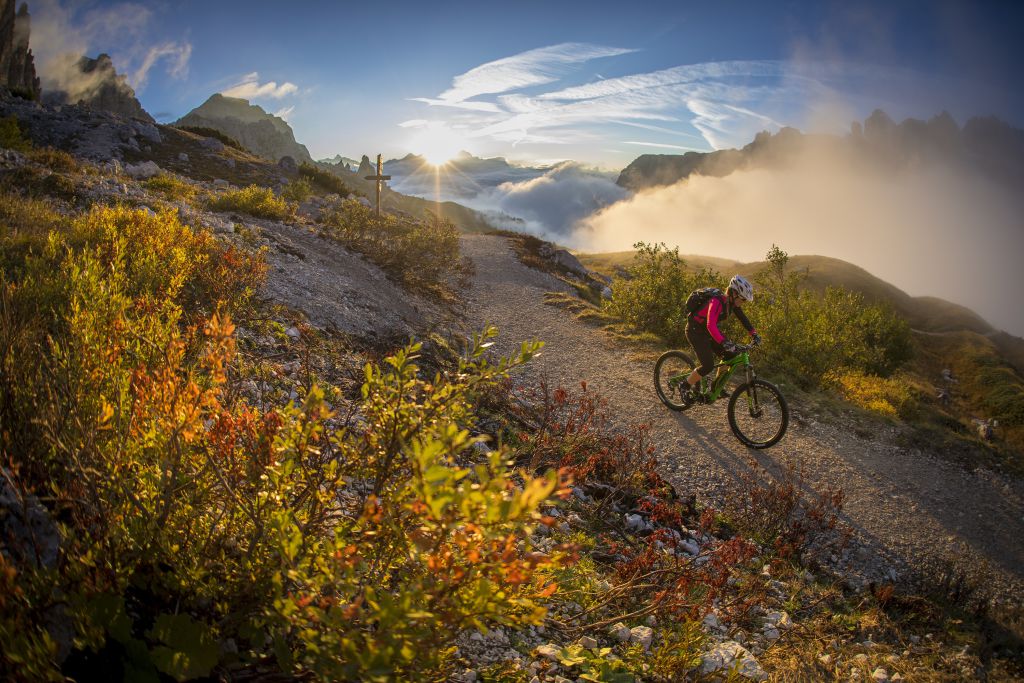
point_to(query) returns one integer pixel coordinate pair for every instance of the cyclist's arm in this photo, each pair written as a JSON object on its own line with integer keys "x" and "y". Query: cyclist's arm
{"x": 714, "y": 308}
{"x": 742, "y": 317}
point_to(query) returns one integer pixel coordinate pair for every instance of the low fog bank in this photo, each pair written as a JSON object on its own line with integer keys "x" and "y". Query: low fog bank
{"x": 930, "y": 230}
{"x": 554, "y": 203}
{"x": 546, "y": 202}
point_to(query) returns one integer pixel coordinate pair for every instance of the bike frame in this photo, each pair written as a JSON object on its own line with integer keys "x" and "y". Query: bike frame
{"x": 715, "y": 387}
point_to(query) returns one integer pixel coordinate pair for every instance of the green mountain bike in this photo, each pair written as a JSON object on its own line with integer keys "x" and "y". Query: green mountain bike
{"x": 758, "y": 413}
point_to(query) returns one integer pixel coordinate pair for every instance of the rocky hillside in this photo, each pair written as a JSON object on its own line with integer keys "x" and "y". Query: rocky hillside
{"x": 986, "y": 145}
{"x": 261, "y": 133}
{"x": 269, "y": 518}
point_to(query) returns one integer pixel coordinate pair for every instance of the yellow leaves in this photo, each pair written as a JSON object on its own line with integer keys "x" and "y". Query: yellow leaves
{"x": 106, "y": 412}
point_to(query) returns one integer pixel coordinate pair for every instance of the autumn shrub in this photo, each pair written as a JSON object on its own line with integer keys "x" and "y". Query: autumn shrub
{"x": 171, "y": 187}
{"x": 783, "y": 513}
{"x": 254, "y": 200}
{"x": 189, "y": 521}
{"x": 11, "y": 135}
{"x": 419, "y": 253}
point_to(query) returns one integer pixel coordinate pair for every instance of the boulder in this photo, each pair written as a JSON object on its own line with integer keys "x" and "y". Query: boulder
{"x": 287, "y": 164}
{"x": 147, "y": 131}
{"x": 569, "y": 262}
{"x": 143, "y": 170}
{"x": 211, "y": 144}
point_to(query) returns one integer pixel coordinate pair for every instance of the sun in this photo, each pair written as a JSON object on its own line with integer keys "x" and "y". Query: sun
{"x": 438, "y": 145}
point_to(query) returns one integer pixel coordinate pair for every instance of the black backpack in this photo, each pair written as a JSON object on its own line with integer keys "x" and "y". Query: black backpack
{"x": 699, "y": 298}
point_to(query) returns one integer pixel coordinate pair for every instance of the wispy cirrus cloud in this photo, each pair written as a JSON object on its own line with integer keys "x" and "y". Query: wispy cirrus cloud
{"x": 526, "y": 69}
{"x": 250, "y": 88}
{"x": 715, "y": 103}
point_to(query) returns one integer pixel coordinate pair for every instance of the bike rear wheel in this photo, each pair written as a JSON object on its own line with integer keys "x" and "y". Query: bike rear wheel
{"x": 670, "y": 374}
{"x": 758, "y": 414}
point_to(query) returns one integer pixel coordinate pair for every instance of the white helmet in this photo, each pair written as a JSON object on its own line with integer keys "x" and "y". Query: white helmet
{"x": 742, "y": 286}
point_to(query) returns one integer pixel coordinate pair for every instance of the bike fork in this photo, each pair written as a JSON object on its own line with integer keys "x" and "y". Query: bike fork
{"x": 752, "y": 405}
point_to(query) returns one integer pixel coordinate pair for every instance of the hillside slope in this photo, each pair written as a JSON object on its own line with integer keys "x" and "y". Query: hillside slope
{"x": 900, "y": 500}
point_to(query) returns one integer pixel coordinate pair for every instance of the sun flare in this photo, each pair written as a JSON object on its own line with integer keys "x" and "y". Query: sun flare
{"x": 438, "y": 145}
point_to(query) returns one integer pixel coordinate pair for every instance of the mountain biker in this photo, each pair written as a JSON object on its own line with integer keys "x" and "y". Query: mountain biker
{"x": 707, "y": 340}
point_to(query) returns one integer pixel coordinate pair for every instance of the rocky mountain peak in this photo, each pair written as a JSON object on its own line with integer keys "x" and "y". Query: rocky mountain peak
{"x": 17, "y": 66}
{"x": 261, "y": 133}
{"x": 93, "y": 83}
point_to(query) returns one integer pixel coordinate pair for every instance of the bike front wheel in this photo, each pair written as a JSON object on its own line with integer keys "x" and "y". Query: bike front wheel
{"x": 758, "y": 414}
{"x": 670, "y": 374}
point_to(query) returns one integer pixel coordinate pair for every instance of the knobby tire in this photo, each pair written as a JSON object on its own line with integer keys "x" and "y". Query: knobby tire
{"x": 672, "y": 363}
{"x": 766, "y": 428}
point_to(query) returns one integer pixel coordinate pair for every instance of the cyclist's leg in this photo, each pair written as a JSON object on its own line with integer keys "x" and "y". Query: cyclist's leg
{"x": 702, "y": 344}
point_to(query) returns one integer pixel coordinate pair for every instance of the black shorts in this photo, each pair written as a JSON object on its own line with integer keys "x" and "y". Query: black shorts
{"x": 704, "y": 346}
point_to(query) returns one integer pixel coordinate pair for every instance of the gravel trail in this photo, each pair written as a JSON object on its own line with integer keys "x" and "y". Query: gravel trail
{"x": 914, "y": 515}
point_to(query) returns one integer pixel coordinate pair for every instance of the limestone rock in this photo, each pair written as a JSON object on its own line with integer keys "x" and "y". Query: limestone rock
{"x": 620, "y": 632}
{"x": 726, "y": 655}
{"x": 143, "y": 170}
{"x": 643, "y": 635}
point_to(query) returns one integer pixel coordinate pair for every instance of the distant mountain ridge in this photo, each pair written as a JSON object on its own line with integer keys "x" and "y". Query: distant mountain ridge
{"x": 463, "y": 177}
{"x": 261, "y": 133}
{"x": 986, "y": 144}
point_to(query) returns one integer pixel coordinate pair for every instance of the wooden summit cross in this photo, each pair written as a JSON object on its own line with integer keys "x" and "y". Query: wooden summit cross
{"x": 380, "y": 178}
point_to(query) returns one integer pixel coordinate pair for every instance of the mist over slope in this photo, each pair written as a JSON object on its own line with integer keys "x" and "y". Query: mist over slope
{"x": 937, "y": 224}
{"x": 543, "y": 200}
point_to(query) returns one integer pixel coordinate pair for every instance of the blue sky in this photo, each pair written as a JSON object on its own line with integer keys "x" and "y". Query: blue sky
{"x": 533, "y": 81}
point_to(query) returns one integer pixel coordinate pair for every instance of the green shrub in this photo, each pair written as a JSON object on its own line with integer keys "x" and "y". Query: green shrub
{"x": 653, "y": 297}
{"x": 889, "y": 396}
{"x": 324, "y": 181}
{"x": 810, "y": 336}
{"x": 418, "y": 253}
{"x": 215, "y": 134}
{"x": 255, "y": 201}
{"x": 54, "y": 159}
{"x": 11, "y": 135}
{"x": 1000, "y": 387}
{"x": 297, "y": 190}
{"x": 172, "y": 187}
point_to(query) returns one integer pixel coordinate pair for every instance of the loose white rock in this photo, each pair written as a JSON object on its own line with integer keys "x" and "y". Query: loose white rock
{"x": 620, "y": 632}
{"x": 731, "y": 654}
{"x": 549, "y": 651}
{"x": 142, "y": 171}
{"x": 643, "y": 635}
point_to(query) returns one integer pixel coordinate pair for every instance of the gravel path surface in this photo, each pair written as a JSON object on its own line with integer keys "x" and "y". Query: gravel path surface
{"x": 913, "y": 514}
